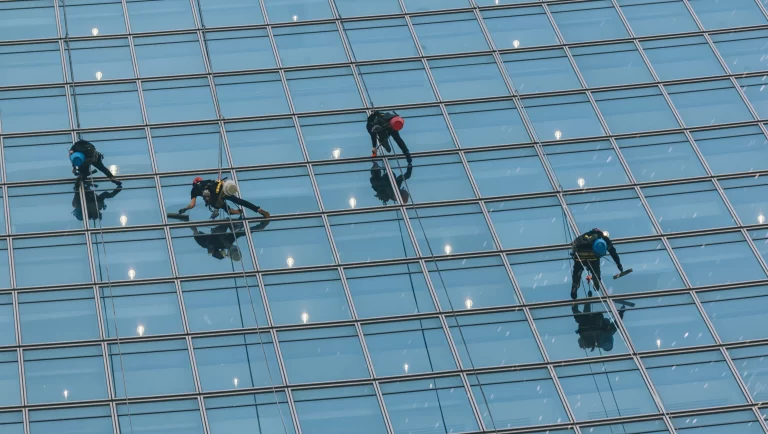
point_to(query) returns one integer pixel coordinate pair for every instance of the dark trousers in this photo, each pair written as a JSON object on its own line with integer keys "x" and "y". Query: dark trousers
{"x": 593, "y": 266}
{"x": 221, "y": 203}
{"x": 85, "y": 169}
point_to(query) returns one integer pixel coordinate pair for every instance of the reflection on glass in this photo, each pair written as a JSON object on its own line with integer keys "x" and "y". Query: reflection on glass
{"x": 666, "y": 322}
{"x": 140, "y": 310}
{"x": 318, "y": 295}
{"x": 491, "y": 340}
{"x": 483, "y": 281}
{"x": 65, "y": 374}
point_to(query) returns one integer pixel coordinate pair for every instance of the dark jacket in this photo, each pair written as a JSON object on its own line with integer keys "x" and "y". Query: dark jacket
{"x": 88, "y": 149}
{"x": 582, "y": 246}
{"x": 378, "y": 127}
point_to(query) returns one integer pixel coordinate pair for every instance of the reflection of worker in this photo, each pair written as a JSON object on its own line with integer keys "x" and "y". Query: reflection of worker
{"x": 83, "y": 155}
{"x": 381, "y": 184}
{"x": 215, "y": 197}
{"x": 221, "y": 242}
{"x": 94, "y": 204}
{"x": 383, "y": 125}
{"x": 595, "y": 330}
{"x": 587, "y": 250}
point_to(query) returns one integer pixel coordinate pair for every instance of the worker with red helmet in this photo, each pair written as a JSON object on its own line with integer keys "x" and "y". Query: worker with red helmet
{"x": 383, "y": 125}
{"x": 215, "y": 198}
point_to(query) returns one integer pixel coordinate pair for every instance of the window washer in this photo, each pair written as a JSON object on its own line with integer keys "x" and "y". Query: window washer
{"x": 587, "y": 250}
{"x": 595, "y": 330}
{"x": 381, "y": 126}
{"x": 216, "y": 194}
{"x": 83, "y": 155}
{"x": 220, "y": 242}
{"x": 94, "y": 204}
{"x": 381, "y": 184}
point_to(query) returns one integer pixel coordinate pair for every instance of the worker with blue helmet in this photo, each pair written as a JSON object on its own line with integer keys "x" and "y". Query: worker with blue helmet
{"x": 587, "y": 250}
{"x": 83, "y": 155}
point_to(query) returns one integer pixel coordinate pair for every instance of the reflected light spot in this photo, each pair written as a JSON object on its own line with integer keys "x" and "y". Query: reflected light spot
{"x": 65, "y": 393}
{"x": 336, "y": 153}
{"x": 558, "y": 134}
{"x": 295, "y": 18}
{"x": 235, "y": 381}
{"x": 114, "y": 169}
{"x": 468, "y": 303}
{"x": 352, "y": 202}
{"x": 94, "y": 31}
{"x": 405, "y": 368}
{"x": 99, "y": 75}
{"x": 448, "y": 249}
{"x": 581, "y": 182}
{"x": 140, "y": 330}
{"x": 658, "y": 343}
{"x": 289, "y": 261}
{"x": 304, "y": 317}
{"x": 515, "y": 43}
{"x": 131, "y": 273}
{"x": 606, "y": 234}
{"x": 123, "y": 220}
{"x": 761, "y": 219}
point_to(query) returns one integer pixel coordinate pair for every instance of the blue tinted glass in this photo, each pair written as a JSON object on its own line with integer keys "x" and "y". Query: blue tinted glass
{"x": 297, "y": 10}
{"x": 408, "y": 347}
{"x": 517, "y": 399}
{"x": 289, "y": 243}
{"x": 707, "y": 103}
{"x": 753, "y": 89}
{"x": 528, "y": 222}
{"x": 706, "y": 381}
{"x": 741, "y": 149}
{"x": 681, "y": 58}
{"x": 306, "y": 297}
{"x": 635, "y": 110}
{"x": 652, "y": 265}
{"x": 752, "y": 368}
{"x": 428, "y": 5}
{"x": 513, "y": 171}
{"x": 240, "y": 49}
{"x": 133, "y": 204}
{"x": 458, "y": 229}
{"x": 64, "y": 258}
{"x": 281, "y": 191}
{"x": 236, "y": 95}
{"x": 211, "y": 248}
{"x": 263, "y": 142}
{"x": 371, "y": 237}
{"x": 323, "y": 89}
{"x": 34, "y": 110}
{"x": 7, "y": 323}
{"x": 30, "y": 64}
{"x": 10, "y": 392}
{"x": 151, "y": 368}
{"x": 79, "y": 18}
{"x": 728, "y": 253}
{"x": 737, "y": 314}
{"x": 570, "y": 163}
{"x": 487, "y": 124}
{"x": 167, "y": 417}
{"x": 426, "y": 130}
{"x": 26, "y": 204}
{"x": 168, "y": 55}
{"x": 448, "y": 33}
{"x": 585, "y": 386}
{"x": 687, "y": 207}
{"x": 132, "y": 255}
{"x": 543, "y": 276}
{"x": 12, "y": 422}
{"x": 519, "y": 27}
{"x": 434, "y": 179}
{"x": 217, "y": 13}
{"x": 193, "y": 147}
{"x": 65, "y": 374}
{"x": 743, "y": 422}
{"x": 55, "y": 316}
{"x": 342, "y": 410}
{"x": 742, "y": 51}
{"x": 588, "y": 21}
{"x": 396, "y": 83}
{"x": 354, "y": 8}
{"x": 436, "y": 405}
{"x": 620, "y": 212}
{"x": 100, "y": 60}
{"x": 658, "y": 158}
{"x": 223, "y": 304}
{"x": 651, "y": 17}
{"x": 760, "y": 237}
{"x": 747, "y": 197}
{"x": 467, "y": 77}
{"x": 92, "y": 420}
{"x": 609, "y": 65}
{"x": 389, "y": 290}
{"x": 541, "y": 71}
{"x": 654, "y": 426}
{"x": 309, "y": 45}
{"x": 380, "y": 39}
{"x": 153, "y": 15}
{"x": 27, "y": 20}
{"x": 356, "y": 185}
{"x": 324, "y": 354}
{"x": 240, "y": 414}
{"x": 178, "y": 100}
{"x": 490, "y": 340}
{"x": 736, "y": 13}
{"x": 140, "y": 310}
{"x": 237, "y": 361}
{"x": 108, "y": 105}
{"x": 471, "y": 283}
{"x": 666, "y": 322}
{"x": 563, "y": 117}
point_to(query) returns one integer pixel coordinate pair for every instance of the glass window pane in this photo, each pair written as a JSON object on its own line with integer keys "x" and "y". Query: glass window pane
{"x": 487, "y": 124}
{"x": 737, "y": 314}
{"x": 457, "y": 229}
{"x": 380, "y": 39}
{"x": 742, "y": 51}
{"x": 515, "y": 399}
{"x": 263, "y": 142}
{"x": 685, "y": 57}
{"x": 168, "y": 55}
{"x": 241, "y": 413}
{"x": 342, "y": 410}
{"x": 706, "y": 381}
{"x": 741, "y": 149}
{"x": 737, "y": 13}
{"x": 408, "y": 347}
{"x": 106, "y": 59}
{"x": 133, "y": 204}
{"x": 467, "y": 77}
{"x": 323, "y": 89}
{"x": 7, "y": 320}
{"x": 295, "y": 10}
{"x": 324, "y": 354}
{"x": 223, "y": 304}
{"x": 753, "y": 88}
{"x": 30, "y": 64}
{"x": 448, "y": 33}
{"x": 666, "y": 322}
{"x": 433, "y": 179}
{"x": 687, "y": 207}
{"x": 354, "y": 8}
{"x": 528, "y": 222}
{"x": 10, "y": 392}
{"x": 389, "y": 290}
{"x": 396, "y": 83}
{"x": 471, "y": 283}
{"x": 588, "y": 21}
{"x": 620, "y": 212}
{"x": 759, "y": 237}
{"x": 659, "y": 158}
{"x": 27, "y": 204}
{"x": 595, "y": 331}
{"x": 354, "y": 185}
{"x": 519, "y": 27}
{"x": 57, "y": 316}
{"x": 186, "y": 148}
{"x": 143, "y": 310}
{"x": 371, "y": 236}
{"x": 289, "y": 243}
{"x": 751, "y": 366}
{"x": 154, "y": 15}
{"x": 635, "y": 110}
{"x": 657, "y": 17}
{"x": 237, "y": 50}
{"x": 314, "y": 297}
{"x": 92, "y": 420}
{"x": 653, "y": 269}
{"x": 281, "y": 191}
{"x": 12, "y": 422}
{"x": 308, "y": 45}
{"x": 428, "y": 5}
{"x": 64, "y": 258}
{"x": 236, "y": 361}
{"x": 563, "y": 117}
{"x": 610, "y": 65}
{"x": 653, "y": 426}
{"x": 543, "y": 276}
{"x": 438, "y": 405}
{"x": 211, "y": 248}
{"x": 707, "y": 103}
{"x": 747, "y": 197}
{"x": 541, "y": 71}
{"x": 132, "y": 255}
{"x": 34, "y": 110}
{"x": 742, "y": 422}
{"x": 586, "y": 164}
{"x": 167, "y": 417}
{"x": 108, "y": 105}
{"x": 587, "y": 386}
{"x": 426, "y": 130}
{"x": 27, "y": 20}
{"x": 151, "y": 368}
{"x": 65, "y": 374}
{"x": 220, "y": 13}
{"x": 491, "y": 340}
{"x": 717, "y": 259}
{"x": 494, "y": 172}
{"x": 178, "y": 100}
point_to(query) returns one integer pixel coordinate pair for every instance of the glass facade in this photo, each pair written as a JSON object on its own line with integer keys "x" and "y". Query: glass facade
{"x": 440, "y": 307}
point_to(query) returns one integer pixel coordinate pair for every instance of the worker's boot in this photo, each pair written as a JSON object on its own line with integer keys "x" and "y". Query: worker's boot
{"x": 574, "y": 291}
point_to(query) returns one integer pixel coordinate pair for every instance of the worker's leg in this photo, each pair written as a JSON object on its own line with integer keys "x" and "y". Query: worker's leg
{"x": 242, "y": 202}
{"x": 576, "y": 277}
{"x": 99, "y": 164}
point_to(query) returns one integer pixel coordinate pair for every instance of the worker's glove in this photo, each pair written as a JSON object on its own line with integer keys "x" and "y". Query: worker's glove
{"x": 214, "y": 214}
{"x": 182, "y": 211}
{"x": 620, "y": 267}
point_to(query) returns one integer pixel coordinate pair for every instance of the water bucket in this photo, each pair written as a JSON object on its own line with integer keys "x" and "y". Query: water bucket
{"x": 230, "y": 188}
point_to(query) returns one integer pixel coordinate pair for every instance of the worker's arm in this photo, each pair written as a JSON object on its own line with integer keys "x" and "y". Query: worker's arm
{"x": 190, "y": 206}
{"x": 614, "y": 254}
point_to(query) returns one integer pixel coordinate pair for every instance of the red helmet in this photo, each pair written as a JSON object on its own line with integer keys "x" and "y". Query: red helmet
{"x": 397, "y": 123}
{"x": 196, "y": 180}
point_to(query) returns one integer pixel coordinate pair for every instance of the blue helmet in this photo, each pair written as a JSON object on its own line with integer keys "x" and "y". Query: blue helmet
{"x": 600, "y": 247}
{"x": 77, "y": 158}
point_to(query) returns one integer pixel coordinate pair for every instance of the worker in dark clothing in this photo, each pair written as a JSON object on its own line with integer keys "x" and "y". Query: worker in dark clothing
{"x": 83, "y": 155}
{"x": 94, "y": 204}
{"x": 215, "y": 197}
{"x": 595, "y": 330}
{"x": 383, "y": 125}
{"x": 381, "y": 184}
{"x": 587, "y": 250}
{"x": 221, "y": 242}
